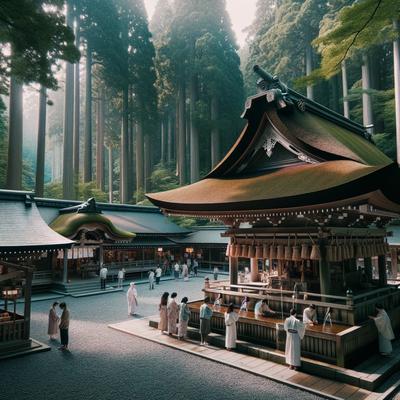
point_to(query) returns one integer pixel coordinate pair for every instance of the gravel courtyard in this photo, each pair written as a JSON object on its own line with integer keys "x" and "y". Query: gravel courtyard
{"x": 106, "y": 364}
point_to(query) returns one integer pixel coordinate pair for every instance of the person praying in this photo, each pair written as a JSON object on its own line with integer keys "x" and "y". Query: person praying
{"x": 52, "y": 329}
{"x": 162, "y": 308}
{"x": 173, "y": 314}
{"x": 131, "y": 297}
{"x": 295, "y": 331}
{"x": 184, "y": 314}
{"x": 262, "y": 309}
{"x": 231, "y": 317}
{"x": 205, "y": 321}
{"x": 385, "y": 331}
{"x": 245, "y": 305}
{"x": 310, "y": 315}
{"x": 218, "y": 302}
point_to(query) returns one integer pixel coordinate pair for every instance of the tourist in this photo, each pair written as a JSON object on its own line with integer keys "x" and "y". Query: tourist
{"x": 162, "y": 307}
{"x": 64, "y": 326}
{"x": 216, "y": 271}
{"x": 385, "y": 331}
{"x": 121, "y": 275}
{"x": 310, "y": 315}
{"x": 195, "y": 266}
{"x": 245, "y": 305}
{"x": 103, "y": 277}
{"x": 172, "y": 314}
{"x": 262, "y": 309}
{"x": 218, "y": 302}
{"x": 158, "y": 274}
{"x": 231, "y": 317}
{"x": 185, "y": 272}
{"x": 176, "y": 270}
{"x": 151, "y": 280}
{"x": 131, "y": 297}
{"x": 205, "y": 321}
{"x": 52, "y": 329}
{"x": 184, "y": 314}
{"x": 295, "y": 330}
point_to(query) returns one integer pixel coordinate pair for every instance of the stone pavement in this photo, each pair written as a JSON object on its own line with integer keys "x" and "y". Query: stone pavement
{"x": 105, "y": 364}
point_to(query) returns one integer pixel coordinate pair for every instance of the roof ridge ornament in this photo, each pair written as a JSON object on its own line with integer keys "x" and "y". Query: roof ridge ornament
{"x": 87, "y": 207}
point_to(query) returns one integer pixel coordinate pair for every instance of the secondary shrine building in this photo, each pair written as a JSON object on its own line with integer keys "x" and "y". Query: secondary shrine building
{"x": 306, "y": 196}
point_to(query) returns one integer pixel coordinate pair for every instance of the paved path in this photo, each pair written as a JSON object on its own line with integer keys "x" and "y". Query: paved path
{"x": 105, "y": 364}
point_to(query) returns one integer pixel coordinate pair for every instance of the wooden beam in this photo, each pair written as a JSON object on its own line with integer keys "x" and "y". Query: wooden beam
{"x": 11, "y": 275}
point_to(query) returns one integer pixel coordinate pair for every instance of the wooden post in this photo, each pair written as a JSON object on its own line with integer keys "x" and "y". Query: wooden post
{"x": 393, "y": 257}
{"x": 27, "y": 306}
{"x": 233, "y": 270}
{"x": 254, "y": 269}
{"x": 368, "y": 268}
{"x": 65, "y": 266}
{"x": 324, "y": 273}
{"x": 382, "y": 270}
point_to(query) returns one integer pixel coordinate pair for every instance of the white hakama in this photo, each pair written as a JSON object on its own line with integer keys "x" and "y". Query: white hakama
{"x": 173, "y": 314}
{"x": 131, "y": 298}
{"x": 231, "y": 332}
{"x": 295, "y": 331}
{"x": 163, "y": 324}
{"x": 385, "y": 332}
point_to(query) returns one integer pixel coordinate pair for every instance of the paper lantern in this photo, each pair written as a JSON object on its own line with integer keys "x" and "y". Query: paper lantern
{"x": 305, "y": 251}
{"x": 315, "y": 252}
{"x": 266, "y": 251}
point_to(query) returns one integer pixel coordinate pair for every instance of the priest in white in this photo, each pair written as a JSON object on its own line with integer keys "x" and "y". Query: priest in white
{"x": 131, "y": 297}
{"x": 231, "y": 317}
{"x": 310, "y": 315}
{"x": 385, "y": 331}
{"x": 295, "y": 330}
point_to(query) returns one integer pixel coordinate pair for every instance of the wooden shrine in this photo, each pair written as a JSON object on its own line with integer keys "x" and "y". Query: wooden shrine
{"x": 305, "y": 196}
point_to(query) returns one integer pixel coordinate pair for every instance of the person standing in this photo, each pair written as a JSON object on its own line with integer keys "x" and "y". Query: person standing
{"x": 262, "y": 309}
{"x": 158, "y": 274}
{"x": 185, "y": 272}
{"x": 103, "y": 277}
{"x": 231, "y": 317}
{"x": 176, "y": 270}
{"x": 131, "y": 297}
{"x": 195, "y": 266}
{"x": 162, "y": 308}
{"x": 121, "y": 275}
{"x": 205, "y": 321}
{"x": 64, "y": 327}
{"x": 216, "y": 271}
{"x": 295, "y": 331}
{"x": 385, "y": 331}
{"x": 184, "y": 314}
{"x": 151, "y": 280}
{"x": 172, "y": 314}
{"x": 245, "y": 305}
{"x": 218, "y": 302}
{"x": 52, "y": 329}
{"x": 310, "y": 315}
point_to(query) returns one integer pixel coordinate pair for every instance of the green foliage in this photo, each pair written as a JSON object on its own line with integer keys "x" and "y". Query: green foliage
{"x": 84, "y": 190}
{"x": 33, "y": 38}
{"x": 163, "y": 178}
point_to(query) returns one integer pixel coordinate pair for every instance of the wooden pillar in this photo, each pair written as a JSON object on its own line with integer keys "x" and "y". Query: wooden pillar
{"x": 65, "y": 266}
{"x": 324, "y": 273}
{"x": 27, "y": 306}
{"x": 368, "y": 268}
{"x": 233, "y": 270}
{"x": 382, "y": 270}
{"x": 254, "y": 269}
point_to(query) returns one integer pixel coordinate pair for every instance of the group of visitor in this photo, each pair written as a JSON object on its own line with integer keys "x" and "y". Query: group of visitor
{"x": 59, "y": 324}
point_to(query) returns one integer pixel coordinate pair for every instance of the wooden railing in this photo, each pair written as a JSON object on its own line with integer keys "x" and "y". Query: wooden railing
{"x": 12, "y": 330}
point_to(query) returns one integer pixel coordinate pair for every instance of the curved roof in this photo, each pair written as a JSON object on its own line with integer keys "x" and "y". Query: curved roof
{"x": 69, "y": 224}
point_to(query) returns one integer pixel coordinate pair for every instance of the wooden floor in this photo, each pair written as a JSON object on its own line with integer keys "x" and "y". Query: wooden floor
{"x": 320, "y": 386}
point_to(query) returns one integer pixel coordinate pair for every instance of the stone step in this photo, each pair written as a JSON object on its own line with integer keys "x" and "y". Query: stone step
{"x": 360, "y": 376}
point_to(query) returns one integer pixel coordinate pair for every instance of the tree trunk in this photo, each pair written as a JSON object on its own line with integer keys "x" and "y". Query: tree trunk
{"x": 182, "y": 134}
{"x": 169, "y": 138}
{"x": 176, "y": 144}
{"x": 366, "y": 97}
{"x": 139, "y": 157}
{"x": 163, "y": 129}
{"x": 77, "y": 106}
{"x": 309, "y": 66}
{"x": 194, "y": 133}
{"x": 41, "y": 144}
{"x": 110, "y": 173}
{"x": 214, "y": 132}
{"x": 396, "y": 71}
{"x": 100, "y": 143}
{"x": 147, "y": 162}
{"x": 88, "y": 148}
{"x": 15, "y": 136}
{"x": 346, "y": 108}
{"x": 124, "y": 148}
{"x": 68, "y": 176}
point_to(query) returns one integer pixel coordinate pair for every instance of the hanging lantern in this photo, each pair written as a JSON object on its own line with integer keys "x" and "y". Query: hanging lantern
{"x": 351, "y": 249}
{"x": 259, "y": 251}
{"x": 358, "y": 250}
{"x": 280, "y": 252}
{"x": 252, "y": 251}
{"x": 329, "y": 252}
{"x": 228, "y": 250}
{"x": 305, "y": 251}
{"x": 236, "y": 250}
{"x": 244, "y": 250}
{"x": 266, "y": 251}
{"x": 296, "y": 253}
{"x": 272, "y": 252}
{"x": 315, "y": 252}
{"x": 288, "y": 251}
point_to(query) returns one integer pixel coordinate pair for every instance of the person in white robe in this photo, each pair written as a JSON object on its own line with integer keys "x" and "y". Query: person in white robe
{"x": 184, "y": 314}
{"x": 245, "y": 305}
{"x": 385, "y": 330}
{"x": 185, "y": 272}
{"x": 131, "y": 297}
{"x": 173, "y": 314}
{"x": 218, "y": 302}
{"x": 231, "y": 317}
{"x": 52, "y": 329}
{"x": 162, "y": 308}
{"x": 310, "y": 315}
{"x": 295, "y": 331}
